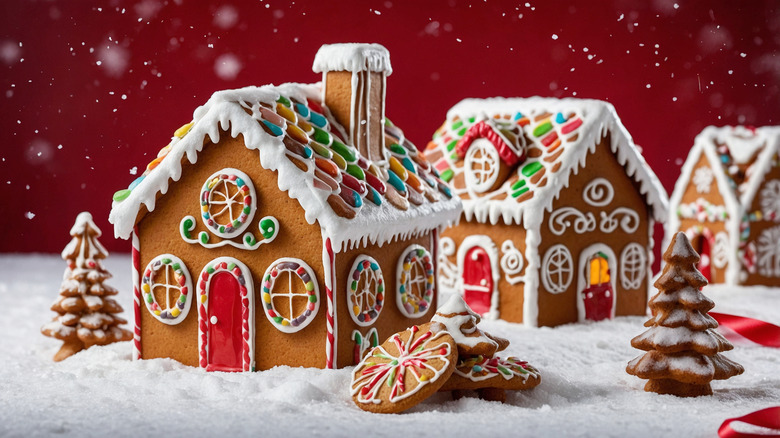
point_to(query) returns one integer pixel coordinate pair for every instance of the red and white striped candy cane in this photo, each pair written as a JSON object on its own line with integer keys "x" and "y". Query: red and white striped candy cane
{"x": 328, "y": 264}
{"x": 136, "y": 254}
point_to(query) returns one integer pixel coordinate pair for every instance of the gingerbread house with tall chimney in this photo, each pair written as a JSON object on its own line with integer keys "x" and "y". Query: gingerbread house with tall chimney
{"x": 285, "y": 225}
{"x": 559, "y": 208}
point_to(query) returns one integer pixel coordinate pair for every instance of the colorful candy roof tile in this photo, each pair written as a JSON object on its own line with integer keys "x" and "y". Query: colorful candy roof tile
{"x": 353, "y": 200}
{"x": 549, "y": 138}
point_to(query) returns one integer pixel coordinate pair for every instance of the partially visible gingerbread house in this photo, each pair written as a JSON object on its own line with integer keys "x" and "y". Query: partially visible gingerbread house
{"x": 261, "y": 236}
{"x": 727, "y": 201}
{"x": 558, "y": 210}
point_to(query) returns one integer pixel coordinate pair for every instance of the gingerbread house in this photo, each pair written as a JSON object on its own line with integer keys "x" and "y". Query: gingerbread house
{"x": 285, "y": 225}
{"x": 558, "y": 210}
{"x": 727, "y": 201}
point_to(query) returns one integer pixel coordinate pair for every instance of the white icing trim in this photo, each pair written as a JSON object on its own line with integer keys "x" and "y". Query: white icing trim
{"x": 486, "y": 243}
{"x": 489, "y": 155}
{"x": 720, "y": 251}
{"x": 583, "y": 283}
{"x": 610, "y": 222}
{"x": 559, "y": 221}
{"x": 533, "y": 238}
{"x": 447, "y": 272}
{"x": 354, "y": 57}
{"x": 373, "y": 225}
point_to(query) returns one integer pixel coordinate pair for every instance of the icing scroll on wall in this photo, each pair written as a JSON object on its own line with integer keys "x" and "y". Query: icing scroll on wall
{"x": 598, "y": 193}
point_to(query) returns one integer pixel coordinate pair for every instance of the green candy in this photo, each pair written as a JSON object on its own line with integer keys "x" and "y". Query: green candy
{"x": 356, "y": 171}
{"x": 121, "y": 195}
{"x": 342, "y": 149}
{"x": 284, "y": 101}
{"x": 268, "y": 228}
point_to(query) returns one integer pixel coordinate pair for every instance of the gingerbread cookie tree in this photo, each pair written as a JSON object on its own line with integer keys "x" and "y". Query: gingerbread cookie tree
{"x": 478, "y": 367}
{"x": 86, "y": 315}
{"x": 681, "y": 344}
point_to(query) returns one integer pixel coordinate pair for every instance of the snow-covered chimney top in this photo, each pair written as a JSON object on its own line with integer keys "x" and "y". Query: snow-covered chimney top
{"x": 352, "y": 57}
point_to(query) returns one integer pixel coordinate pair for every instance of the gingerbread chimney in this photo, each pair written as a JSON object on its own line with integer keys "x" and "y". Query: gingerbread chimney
{"x": 353, "y": 78}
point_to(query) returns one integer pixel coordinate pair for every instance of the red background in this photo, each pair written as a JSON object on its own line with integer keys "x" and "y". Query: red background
{"x": 94, "y": 89}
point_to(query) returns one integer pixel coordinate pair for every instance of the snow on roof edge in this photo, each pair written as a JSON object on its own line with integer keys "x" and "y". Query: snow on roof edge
{"x": 375, "y": 224}
{"x": 600, "y": 119}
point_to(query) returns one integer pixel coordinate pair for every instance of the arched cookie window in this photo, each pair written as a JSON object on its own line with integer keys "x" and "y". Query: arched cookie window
{"x": 167, "y": 289}
{"x": 482, "y": 165}
{"x": 415, "y": 282}
{"x": 290, "y": 295}
{"x": 557, "y": 269}
{"x": 633, "y": 266}
{"x": 228, "y": 202}
{"x": 365, "y": 291}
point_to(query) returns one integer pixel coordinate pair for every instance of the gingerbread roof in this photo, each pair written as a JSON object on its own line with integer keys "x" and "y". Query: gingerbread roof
{"x": 556, "y": 135}
{"x": 740, "y": 157}
{"x": 352, "y": 199}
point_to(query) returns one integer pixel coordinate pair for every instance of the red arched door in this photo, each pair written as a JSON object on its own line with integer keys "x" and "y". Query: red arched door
{"x": 477, "y": 280}
{"x": 598, "y": 293}
{"x": 704, "y": 249}
{"x": 225, "y": 347}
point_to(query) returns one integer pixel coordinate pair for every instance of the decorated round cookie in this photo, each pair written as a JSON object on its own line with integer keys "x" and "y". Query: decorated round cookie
{"x": 405, "y": 370}
{"x": 480, "y": 372}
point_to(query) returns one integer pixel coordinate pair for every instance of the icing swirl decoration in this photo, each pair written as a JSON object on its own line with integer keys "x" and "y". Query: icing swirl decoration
{"x": 610, "y": 222}
{"x": 448, "y": 271}
{"x": 598, "y": 192}
{"x": 511, "y": 262}
{"x": 290, "y": 294}
{"x": 560, "y": 221}
{"x": 365, "y": 291}
{"x": 720, "y": 251}
{"x": 166, "y": 275}
{"x": 415, "y": 282}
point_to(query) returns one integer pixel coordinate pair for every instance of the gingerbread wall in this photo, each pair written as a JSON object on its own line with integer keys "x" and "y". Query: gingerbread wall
{"x": 562, "y": 307}
{"x": 510, "y": 296}
{"x": 764, "y": 232}
{"x": 713, "y": 224}
{"x": 159, "y": 233}
{"x": 390, "y": 320}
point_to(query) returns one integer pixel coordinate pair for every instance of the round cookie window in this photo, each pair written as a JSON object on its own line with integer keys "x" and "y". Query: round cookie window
{"x": 290, "y": 295}
{"x": 482, "y": 166}
{"x": 365, "y": 291}
{"x": 415, "y": 282}
{"x": 166, "y": 289}
{"x": 557, "y": 269}
{"x": 228, "y": 202}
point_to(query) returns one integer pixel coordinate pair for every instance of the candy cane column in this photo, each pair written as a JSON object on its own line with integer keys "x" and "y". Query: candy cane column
{"x": 136, "y": 254}
{"x": 329, "y": 265}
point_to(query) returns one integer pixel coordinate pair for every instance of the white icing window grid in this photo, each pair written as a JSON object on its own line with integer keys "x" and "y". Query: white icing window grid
{"x": 557, "y": 269}
{"x": 633, "y": 266}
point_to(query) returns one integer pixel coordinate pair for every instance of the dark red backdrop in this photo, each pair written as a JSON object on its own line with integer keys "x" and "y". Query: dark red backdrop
{"x": 94, "y": 89}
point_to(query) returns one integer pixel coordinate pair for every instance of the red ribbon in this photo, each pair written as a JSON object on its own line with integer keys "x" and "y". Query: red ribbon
{"x": 768, "y": 418}
{"x": 758, "y": 331}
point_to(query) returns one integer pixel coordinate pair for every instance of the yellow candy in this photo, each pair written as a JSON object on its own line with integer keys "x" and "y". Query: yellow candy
{"x": 145, "y": 287}
{"x": 266, "y": 298}
{"x": 175, "y": 312}
{"x": 356, "y": 310}
{"x": 423, "y": 378}
{"x": 285, "y": 322}
{"x": 157, "y": 312}
{"x": 407, "y": 266}
{"x": 181, "y": 132}
{"x": 398, "y": 168}
{"x": 203, "y": 298}
{"x": 285, "y": 112}
{"x": 164, "y": 151}
{"x": 204, "y": 208}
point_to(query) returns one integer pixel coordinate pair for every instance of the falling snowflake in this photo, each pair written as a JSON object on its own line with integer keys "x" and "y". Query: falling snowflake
{"x": 702, "y": 178}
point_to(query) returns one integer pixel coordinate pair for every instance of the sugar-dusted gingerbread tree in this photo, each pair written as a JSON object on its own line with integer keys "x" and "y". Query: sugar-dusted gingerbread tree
{"x": 683, "y": 349}
{"x": 86, "y": 315}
